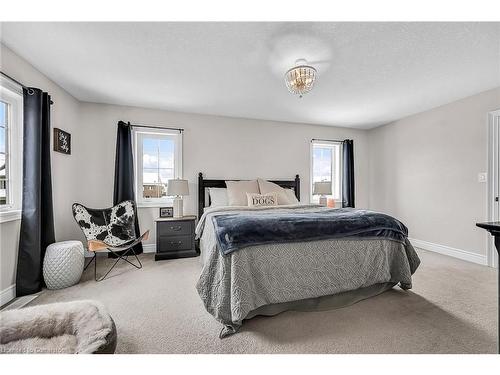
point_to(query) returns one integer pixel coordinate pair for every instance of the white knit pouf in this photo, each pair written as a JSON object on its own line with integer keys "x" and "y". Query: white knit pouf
{"x": 63, "y": 264}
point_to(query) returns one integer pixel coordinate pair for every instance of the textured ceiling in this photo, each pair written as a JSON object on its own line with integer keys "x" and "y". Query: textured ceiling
{"x": 368, "y": 73}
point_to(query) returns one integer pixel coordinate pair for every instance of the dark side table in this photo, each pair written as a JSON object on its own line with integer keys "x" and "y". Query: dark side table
{"x": 494, "y": 228}
{"x": 175, "y": 237}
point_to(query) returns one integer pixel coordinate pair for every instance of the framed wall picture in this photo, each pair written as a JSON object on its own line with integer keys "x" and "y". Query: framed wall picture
{"x": 62, "y": 141}
{"x": 166, "y": 211}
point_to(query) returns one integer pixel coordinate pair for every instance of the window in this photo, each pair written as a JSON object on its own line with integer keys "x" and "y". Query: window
{"x": 11, "y": 113}
{"x": 4, "y": 167}
{"x": 325, "y": 160}
{"x": 158, "y": 158}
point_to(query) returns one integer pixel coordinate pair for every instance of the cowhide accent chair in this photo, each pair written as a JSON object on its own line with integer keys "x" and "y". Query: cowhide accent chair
{"x": 110, "y": 229}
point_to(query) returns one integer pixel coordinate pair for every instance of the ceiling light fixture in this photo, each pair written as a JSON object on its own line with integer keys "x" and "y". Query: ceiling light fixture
{"x": 300, "y": 79}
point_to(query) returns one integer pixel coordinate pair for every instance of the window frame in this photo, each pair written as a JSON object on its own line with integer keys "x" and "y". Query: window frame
{"x": 333, "y": 144}
{"x": 12, "y": 94}
{"x": 137, "y": 145}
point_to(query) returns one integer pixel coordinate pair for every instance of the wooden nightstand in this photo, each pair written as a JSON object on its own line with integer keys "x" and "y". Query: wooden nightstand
{"x": 175, "y": 237}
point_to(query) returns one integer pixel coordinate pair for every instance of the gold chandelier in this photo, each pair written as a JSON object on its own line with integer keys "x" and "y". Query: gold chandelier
{"x": 300, "y": 79}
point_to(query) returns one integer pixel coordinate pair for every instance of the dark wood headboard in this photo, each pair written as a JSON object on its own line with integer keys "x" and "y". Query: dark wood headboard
{"x": 204, "y": 183}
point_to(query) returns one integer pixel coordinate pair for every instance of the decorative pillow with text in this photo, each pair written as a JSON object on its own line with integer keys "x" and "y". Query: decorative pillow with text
{"x": 260, "y": 200}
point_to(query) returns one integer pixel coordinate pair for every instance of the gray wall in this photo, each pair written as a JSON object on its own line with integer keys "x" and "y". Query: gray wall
{"x": 220, "y": 147}
{"x": 423, "y": 170}
{"x": 64, "y": 115}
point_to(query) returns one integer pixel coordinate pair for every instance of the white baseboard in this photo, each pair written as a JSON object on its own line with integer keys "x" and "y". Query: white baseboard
{"x": 20, "y": 302}
{"x": 8, "y": 294}
{"x": 450, "y": 251}
{"x": 149, "y": 248}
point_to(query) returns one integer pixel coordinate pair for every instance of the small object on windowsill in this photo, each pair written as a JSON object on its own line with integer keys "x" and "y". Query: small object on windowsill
{"x": 331, "y": 203}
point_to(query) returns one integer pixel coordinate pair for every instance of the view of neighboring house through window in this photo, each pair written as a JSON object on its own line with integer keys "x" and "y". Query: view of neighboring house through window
{"x": 158, "y": 159}
{"x": 325, "y": 159}
{"x": 157, "y": 166}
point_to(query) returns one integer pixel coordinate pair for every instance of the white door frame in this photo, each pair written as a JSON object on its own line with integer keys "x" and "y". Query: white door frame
{"x": 493, "y": 178}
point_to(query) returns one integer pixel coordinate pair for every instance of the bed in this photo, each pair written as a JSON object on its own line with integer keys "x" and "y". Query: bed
{"x": 294, "y": 269}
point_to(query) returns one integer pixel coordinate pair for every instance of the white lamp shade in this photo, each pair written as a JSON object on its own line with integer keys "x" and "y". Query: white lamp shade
{"x": 177, "y": 187}
{"x": 322, "y": 188}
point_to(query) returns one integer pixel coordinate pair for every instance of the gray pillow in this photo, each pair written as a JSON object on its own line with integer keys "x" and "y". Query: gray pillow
{"x": 285, "y": 196}
{"x": 237, "y": 191}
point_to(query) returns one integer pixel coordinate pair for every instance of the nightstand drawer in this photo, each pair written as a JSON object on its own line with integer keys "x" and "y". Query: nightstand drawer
{"x": 175, "y": 228}
{"x": 173, "y": 243}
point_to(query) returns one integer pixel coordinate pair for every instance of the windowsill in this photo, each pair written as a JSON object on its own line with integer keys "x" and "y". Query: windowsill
{"x": 317, "y": 200}
{"x": 10, "y": 215}
{"x": 338, "y": 203}
{"x": 155, "y": 204}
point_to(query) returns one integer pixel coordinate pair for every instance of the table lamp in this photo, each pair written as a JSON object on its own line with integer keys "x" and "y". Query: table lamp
{"x": 178, "y": 188}
{"x": 322, "y": 189}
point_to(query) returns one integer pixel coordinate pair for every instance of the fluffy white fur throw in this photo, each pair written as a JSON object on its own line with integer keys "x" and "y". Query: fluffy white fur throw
{"x": 70, "y": 327}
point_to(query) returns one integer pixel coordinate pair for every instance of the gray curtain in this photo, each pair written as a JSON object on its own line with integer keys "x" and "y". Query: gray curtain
{"x": 37, "y": 218}
{"x": 348, "y": 173}
{"x": 124, "y": 172}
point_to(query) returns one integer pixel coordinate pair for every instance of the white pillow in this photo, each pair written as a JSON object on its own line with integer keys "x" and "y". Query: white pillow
{"x": 261, "y": 200}
{"x": 237, "y": 191}
{"x": 284, "y": 196}
{"x": 292, "y": 199}
{"x": 218, "y": 197}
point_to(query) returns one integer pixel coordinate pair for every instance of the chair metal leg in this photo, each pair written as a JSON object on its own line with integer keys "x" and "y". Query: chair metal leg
{"x": 135, "y": 255}
{"x": 140, "y": 264}
{"x": 88, "y": 264}
{"x": 125, "y": 255}
{"x": 119, "y": 257}
{"x": 106, "y": 274}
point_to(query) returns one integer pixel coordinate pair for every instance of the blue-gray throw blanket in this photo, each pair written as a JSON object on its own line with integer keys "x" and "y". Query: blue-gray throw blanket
{"x": 239, "y": 230}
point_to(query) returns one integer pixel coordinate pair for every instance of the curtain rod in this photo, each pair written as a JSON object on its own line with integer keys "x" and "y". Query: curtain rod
{"x": 151, "y": 126}
{"x": 13, "y": 80}
{"x": 19, "y": 83}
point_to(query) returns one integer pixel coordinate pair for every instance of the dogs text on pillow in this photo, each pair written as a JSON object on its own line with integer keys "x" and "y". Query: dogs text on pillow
{"x": 262, "y": 200}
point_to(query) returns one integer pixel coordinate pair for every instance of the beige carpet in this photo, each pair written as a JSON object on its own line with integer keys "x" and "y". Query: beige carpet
{"x": 452, "y": 309}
